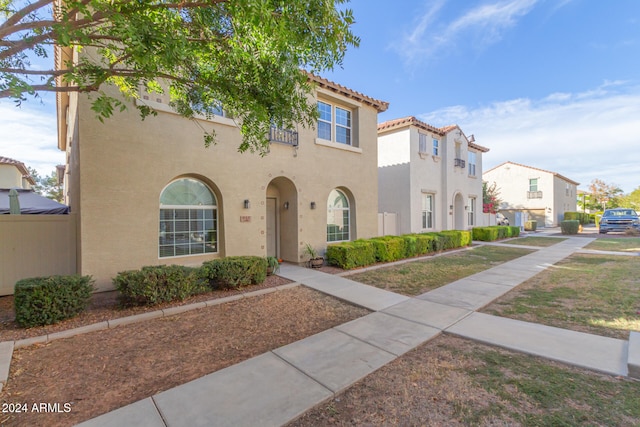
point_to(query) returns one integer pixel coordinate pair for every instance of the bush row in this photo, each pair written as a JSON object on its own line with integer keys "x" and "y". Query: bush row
{"x": 582, "y": 217}
{"x": 46, "y": 300}
{"x": 360, "y": 253}
{"x": 495, "y": 232}
{"x": 163, "y": 283}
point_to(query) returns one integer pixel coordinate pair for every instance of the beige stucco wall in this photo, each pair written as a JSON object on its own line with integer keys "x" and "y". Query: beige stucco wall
{"x": 426, "y": 173}
{"x": 35, "y": 246}
{"x": 513, "y": 184}
{"x": 122, "y": 166}
{"x": 10, "y": 177}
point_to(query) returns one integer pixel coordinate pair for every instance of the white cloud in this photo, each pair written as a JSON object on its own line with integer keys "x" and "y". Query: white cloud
{"x": 29, "y": 134}
{"x": 486, "y": 22}
{"x": 582, "y": 136}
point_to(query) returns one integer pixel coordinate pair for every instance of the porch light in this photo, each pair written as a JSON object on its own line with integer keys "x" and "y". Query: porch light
{"x": 247, "y": 204}
{"x": 286, "y": 205}
{"x": 450, "y": 207}
{"x": 313, "y": 205}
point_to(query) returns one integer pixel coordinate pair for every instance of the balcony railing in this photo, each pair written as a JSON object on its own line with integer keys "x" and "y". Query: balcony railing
{"x": 459, "y": 163}
{"x": 534, "y": 194}
{"x": 283, "y": 136}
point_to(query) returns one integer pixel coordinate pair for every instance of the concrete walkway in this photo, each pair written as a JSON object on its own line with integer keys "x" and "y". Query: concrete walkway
{"x": 278, "y": 386}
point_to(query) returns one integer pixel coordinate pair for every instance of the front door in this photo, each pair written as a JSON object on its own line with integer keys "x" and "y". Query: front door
{"x": 272, "y": 227}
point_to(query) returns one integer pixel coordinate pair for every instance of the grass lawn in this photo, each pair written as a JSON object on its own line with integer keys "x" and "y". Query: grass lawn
{"x": 598, "y": 294}
{"x": 456, "y": 382}
{"x": 415, "y": 278}
{"x": 542, "y": 242}
{"x": 626, "y": 244}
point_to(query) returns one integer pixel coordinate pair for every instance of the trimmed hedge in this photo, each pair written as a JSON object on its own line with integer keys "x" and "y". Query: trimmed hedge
{"x": 156, "y": 284}
{"x": 350, "y": 255}
{"x": 570, "y": 227}
{"x": 235, "y": 271}
{"x": 46, "y": 300}
{"x": 495, "y": 232}
{"x": 582, "y": 217}
{"x": 361, "y": 253}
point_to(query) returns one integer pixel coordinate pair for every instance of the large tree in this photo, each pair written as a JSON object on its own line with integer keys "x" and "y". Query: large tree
{"x": 603, "y": 195}
{"x": 245, "y": 55}
{"x": 48, "y": 186}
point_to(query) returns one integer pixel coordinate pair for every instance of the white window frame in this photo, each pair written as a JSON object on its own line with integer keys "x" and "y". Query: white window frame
{"x": 471, "y": 211}
{"x": 331, "y": 215}
{"x": 436, "y": 147}
{"x": 197, "y": 236}
{"x": 422, "y": 143}
{"x": 427, "y": 213}
{"x": 531, "y": 189}
{"x": 471, "y": 159}
{"x": 334, "y": 125}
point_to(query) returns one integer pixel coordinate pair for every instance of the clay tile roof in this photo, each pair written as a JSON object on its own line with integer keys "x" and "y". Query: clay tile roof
{"x": 21, "y": 167}
{"x": 408, "y": 121}
{"x": 412, "y": 121}
{"x": 570, "y": 181}
{"x": 381, "y": 106}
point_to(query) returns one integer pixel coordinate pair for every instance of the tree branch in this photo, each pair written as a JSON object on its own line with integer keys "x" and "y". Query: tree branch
{"x": 17, "y": 17}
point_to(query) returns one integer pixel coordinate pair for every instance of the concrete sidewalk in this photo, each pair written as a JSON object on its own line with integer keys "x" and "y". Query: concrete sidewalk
{"x": 280, "y": 385}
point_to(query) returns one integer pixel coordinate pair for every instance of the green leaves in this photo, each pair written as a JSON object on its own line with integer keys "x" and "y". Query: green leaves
{"x": 246, "y": 55}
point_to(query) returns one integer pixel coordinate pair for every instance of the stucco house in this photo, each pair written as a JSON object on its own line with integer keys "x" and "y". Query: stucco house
{"x": 537, "y": 194}
{"x": 149, "y": 192}
{"x": 14, "y": 174}
{"x": 429, "y": 178}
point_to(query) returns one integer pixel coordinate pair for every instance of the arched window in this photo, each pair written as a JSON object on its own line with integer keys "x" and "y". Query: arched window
{"x": 337, "y": 217}
{"x": 188, "y": 219}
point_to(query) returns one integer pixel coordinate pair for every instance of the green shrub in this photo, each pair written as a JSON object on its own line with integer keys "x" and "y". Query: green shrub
{"x": 350, "y": 255}
{"x": 47, "y": 300}
{"x": 389, "y": 248}
{"x": 410, "y": 245}
{"x": 485, "y": 234}
{"x": 235, "y": 271}
{"x": 531, "y": 225}
{"x": 157, "y": 284}
{"x": 570, "y": 227}
{"x": 425, "y": 244}
{"x": 495, "y": 232}
{"x": 584, "y": 218}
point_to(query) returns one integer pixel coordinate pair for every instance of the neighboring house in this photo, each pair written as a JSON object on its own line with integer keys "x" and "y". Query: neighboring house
{"x": 14, "y": 174}
{"x": 149, "y": 192}
{"x": 429, "y": 178}
{"x": 541, "y": 195}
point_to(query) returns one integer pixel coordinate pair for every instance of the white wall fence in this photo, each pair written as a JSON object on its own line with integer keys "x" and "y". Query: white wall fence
{"x": 34, "y": 246}
{"x": 387, "y": 224}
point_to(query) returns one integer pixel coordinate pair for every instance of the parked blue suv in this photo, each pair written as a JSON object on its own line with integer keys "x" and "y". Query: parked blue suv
{"x": 619, "y": 219}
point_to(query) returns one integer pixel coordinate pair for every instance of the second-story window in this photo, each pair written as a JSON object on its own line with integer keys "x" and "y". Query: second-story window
{"x": 471, "y": 159}
{"x": 422, "y": 143}
{"x": 436, "y": 147}
{"x": 533, "y": 184}
{"x": 334, "y": 123}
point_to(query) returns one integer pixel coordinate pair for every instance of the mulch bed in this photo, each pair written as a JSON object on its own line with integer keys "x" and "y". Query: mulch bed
{"x": 98, "y": 372}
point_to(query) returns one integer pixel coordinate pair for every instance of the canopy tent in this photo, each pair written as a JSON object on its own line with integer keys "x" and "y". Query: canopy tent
{"x": 32, "y": 204}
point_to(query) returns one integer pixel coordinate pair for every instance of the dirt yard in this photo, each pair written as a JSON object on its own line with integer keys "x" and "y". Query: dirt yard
{"x": 88, "y": 375}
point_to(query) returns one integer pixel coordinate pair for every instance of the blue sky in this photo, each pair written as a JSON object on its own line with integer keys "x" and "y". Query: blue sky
{"x": 553, "y": 84}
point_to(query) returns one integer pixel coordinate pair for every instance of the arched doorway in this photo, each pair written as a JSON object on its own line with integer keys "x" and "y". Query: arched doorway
{"x": 282, "y": 219}
{"x": 458, "y": 212}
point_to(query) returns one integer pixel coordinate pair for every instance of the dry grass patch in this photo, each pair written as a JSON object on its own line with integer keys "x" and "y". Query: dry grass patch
{"x": 101, "y": 371}
{"x": 626, "y": 244}
{"x": 542, "y": 242}
{"x": 598, "y": 294}
{"x": 417, "y": 277}
{"x": 454, "y": 382}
